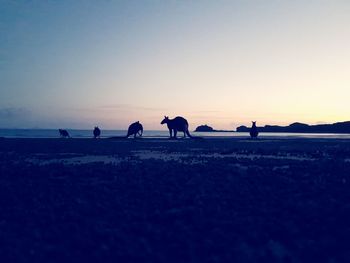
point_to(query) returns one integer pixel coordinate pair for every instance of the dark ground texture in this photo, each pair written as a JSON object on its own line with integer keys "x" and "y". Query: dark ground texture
{"x": 220, "y": 200}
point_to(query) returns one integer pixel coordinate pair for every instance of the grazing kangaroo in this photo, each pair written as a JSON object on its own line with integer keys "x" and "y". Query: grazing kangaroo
{"x": 254, "y": 130}
{"x": 135, "y": 129}
{"x": 97, "y": 132}
{"x": 177, "y": 124}
{"x": 64, "y": 133}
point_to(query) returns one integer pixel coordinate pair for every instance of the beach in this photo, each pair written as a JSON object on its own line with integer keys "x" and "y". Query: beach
{"x": 160, "y": 200}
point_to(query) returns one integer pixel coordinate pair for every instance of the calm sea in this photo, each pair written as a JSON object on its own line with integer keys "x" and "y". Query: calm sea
{"x": 49, "y": 133}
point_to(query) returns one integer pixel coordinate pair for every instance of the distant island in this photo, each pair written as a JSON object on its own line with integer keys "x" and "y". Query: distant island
{"x": 206, "y": 128}
{"x": 338, "y": 127}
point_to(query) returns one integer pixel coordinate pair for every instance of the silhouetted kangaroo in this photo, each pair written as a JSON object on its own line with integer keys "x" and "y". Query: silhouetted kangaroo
{"x": 254, "y": 130}
{"x": 64, "y": 133}
{"x": 177, "y": 124}
{"x": 135, "y": 129}
{"x": 97, "y": 132}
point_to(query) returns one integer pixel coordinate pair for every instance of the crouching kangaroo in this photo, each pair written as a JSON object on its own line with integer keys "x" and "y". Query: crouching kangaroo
{"x": 177, "y": 124}
{"x": 135, "y": 129}
{"x": 64, "y": 133}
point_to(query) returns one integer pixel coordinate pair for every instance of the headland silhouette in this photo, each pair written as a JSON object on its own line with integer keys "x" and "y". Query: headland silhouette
{"x": 297, "y": 127}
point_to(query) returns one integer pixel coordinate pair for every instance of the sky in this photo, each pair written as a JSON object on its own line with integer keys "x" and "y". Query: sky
{"x": 77, "y": 64}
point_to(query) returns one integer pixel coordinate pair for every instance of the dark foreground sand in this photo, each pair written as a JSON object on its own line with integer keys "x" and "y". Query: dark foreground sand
{"x": 155, "y": 200}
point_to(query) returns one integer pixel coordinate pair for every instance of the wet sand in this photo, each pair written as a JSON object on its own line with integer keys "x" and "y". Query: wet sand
{"x": 160, "y": 200}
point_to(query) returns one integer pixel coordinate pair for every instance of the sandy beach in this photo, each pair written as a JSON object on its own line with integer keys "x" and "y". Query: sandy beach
{"x": 160, "y": 200}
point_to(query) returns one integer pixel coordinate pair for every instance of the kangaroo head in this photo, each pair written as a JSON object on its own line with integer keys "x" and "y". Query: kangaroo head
{"x": 165, "y": 120}
{"x": 254, "y": 123}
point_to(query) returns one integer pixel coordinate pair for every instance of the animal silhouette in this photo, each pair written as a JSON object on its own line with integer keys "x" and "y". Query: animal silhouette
{"x": 254, "y": 130}
{"x": 97, "y": 132}
{"x": 64, "y": 133}
{"x": 135, "y": 129}
{"x": 177, "y": 124}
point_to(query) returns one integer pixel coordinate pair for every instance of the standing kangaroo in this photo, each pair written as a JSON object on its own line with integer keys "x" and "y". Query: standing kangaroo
{"x": 254, "y": 130}
{"x": 177, "y": 124}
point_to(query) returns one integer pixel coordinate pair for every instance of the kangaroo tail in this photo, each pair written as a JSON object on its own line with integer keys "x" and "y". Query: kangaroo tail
{"x": 192, "y": 137}
{"x": 188, "y": 134}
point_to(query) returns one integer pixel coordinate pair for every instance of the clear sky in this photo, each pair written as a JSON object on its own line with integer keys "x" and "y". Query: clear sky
{"x": 76, "y": 64}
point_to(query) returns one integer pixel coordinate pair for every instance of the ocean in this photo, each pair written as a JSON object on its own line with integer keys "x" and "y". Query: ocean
{"x": 53, "y": 133}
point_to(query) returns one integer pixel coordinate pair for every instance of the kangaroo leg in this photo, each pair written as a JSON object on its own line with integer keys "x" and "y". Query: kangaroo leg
{"x": 175, "y": 132}
{"x": 184, "y": 134}
{"x": 171, "y": 133}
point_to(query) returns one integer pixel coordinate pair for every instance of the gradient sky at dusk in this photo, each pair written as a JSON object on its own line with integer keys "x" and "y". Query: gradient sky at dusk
{"x": 76, "y": 64}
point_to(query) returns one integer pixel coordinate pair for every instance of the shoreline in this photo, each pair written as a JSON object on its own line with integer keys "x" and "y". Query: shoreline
{"x": 181, "y": 139}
